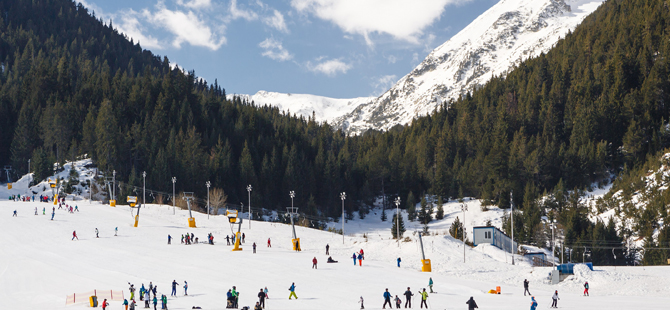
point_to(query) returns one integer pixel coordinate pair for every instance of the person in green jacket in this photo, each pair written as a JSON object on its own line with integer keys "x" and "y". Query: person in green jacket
{"x": 430, "y": 284}
{"x": 236, "y": 297}
{"x": 164, "y": 300}
{"x": 155, "y": 302}
{"x": 424, "y": 297}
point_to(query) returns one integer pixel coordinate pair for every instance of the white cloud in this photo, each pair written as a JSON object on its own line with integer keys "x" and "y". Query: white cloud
{"x": 383, "y": 83}
{"x": 402, "y": 19}
{"x": 187, "y": 27}
{"x": 415, "y": 58}
{"x": 274, "y": 50}
{"x": 276, "y": 21}
{"x": 329, "y": 67}
{"x": 130, "y": 25}
{"x": 236, "y": 12}
{"x": 195, "y": 4}
{"x": 391, "y": 59}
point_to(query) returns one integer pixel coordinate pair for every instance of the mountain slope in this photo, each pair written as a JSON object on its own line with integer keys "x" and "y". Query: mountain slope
{"x": 505, "y": 35}
{"x": 324, "y": 108}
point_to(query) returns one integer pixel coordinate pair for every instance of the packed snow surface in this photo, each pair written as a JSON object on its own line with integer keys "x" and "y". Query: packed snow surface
{"x": 40, "y": 265}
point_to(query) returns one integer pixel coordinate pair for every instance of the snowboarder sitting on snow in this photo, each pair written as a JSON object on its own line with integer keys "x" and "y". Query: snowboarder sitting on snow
{"x": 331, "y": 260}
{"x": 258, "y": 306}
{"x": 471, "y": 304}
{"x": 387, "y": 299}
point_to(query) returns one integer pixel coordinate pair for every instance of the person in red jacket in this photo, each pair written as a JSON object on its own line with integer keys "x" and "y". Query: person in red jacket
{"x": 104, "y": 304}
{"x": 74, "y": 235}
{"x": 314, "y": 263}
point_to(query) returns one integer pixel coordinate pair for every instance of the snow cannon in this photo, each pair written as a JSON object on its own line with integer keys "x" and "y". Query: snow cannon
{"x": 425, "y": 263}
{"x": 132, "y": 200}
{"x": 188, "y": 196}
{"x": 234, "y": 220}
{"x": 112, "y": 203}
{"x": 9, "y": 185}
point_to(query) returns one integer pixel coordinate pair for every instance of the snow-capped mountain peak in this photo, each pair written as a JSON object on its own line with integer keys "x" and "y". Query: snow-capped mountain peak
{"x": 508, "y": 33}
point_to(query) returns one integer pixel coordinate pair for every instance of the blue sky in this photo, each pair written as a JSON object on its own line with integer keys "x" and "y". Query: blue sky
{"x": 334, "y": 48}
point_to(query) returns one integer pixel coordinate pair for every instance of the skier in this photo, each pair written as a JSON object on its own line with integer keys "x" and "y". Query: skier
{"x": 387, "y": 299}
{"x": 243, "y": 237}
{"x": 97, "y": 234}
{"x": 327, "y": 248}
{"x": 174, "y": 288}
{"x": 471, "y": 304}
{"x": 266, "y": 292}
{"x": 533, "y": 303}
{"x": 132, "y": 291}
{"x": 361, "y": 302}
{"x": 104, "y": 304}
{"x": 261, "y": 298}
{"x": 155, "y": 302}
{"x": 314, "y": 263}
{"x": 269, "y": 245}
{"x": 147, "y": 300}
{"x": 76, "y": 208}
{"x": 169, "y": 239}
{"x": 44, "y": 211}
{"x": 430, "y": 284}
{"x": 125, "y": 303}
{"x": 292, "y": 289}
{"x": 398, "y": 302}
{"x": 554, "y": 300}
{"x": 132, "y": 304}
{"x": 35, "y": 210}
{"x": 116, "y": 231}
{"x": 182, "y": 239}
{"x": 408, "y": 297}
{"x": 185, "y": 288}
{"x": 354, "y": 257}
{"x": 525, "y": 287}
{"x": 229, "y": 298}
{"x": 424, "y": 297}
{"x": 74, "y": 235}
{"x": 52, "y": 215}
{"x": 155, "y": 289}
{"x": 227, "y": 239}
{"x": 398, "y": 260}
{"x": 142, "y": 290}
{"x": 360, "y": 260}
{"x": 586, "y": 288}
{"x": 164, "y": 300}
{"x": 236, "y": 297}
{"x": 15, "y": 214}
{"x": 254, "y": 247}
{"x": 151, "y": 288}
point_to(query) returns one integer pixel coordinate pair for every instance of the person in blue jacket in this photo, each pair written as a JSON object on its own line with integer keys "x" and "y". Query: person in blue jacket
{"x": 387, "y": 299}
{"x": 399, "y": 260}
{"x": 354, "y": 257}
{"x": 533, "y": 303}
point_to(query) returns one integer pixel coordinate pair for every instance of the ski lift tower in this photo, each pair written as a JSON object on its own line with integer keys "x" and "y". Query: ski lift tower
{"x": 188, "y": 196}
{"x": 8, "y": 169}
{"x": 109, "y": 181}
{"x": 233, "y": 219}
{"x": 425, "y": 263}
{"x": 291, "y": 212}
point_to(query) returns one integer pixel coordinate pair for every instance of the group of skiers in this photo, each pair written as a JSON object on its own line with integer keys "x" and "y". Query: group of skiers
{"x": 231, "y": 239}
{"x": 144, "y": 295}
{"x": 408, "y": 298}
{"x": 554, "y": 298}
{"x": 359, "y": 256}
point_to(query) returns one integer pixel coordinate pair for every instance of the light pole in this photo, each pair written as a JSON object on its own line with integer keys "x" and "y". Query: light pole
{"x": 343, "y": 196}
{"x": 144, "y": 190}
{"x": 249, "y": 192}
{"x": 174, "y": 180}
{"x": 397, "y": 219}
{"x": 292, "y": 195}
{"x": 208, "y": 184}
{"x": 553, "y": 243}
{"x": 28, "y": 165}
{"x": 464, "y": 207}
{"x": 511, "y": 202}
{"x": 114, "y": 185}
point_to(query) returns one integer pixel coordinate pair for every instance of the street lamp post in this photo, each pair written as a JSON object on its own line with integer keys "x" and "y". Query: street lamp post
{"x": 249, "y": 192}
{"x": 174, "y": 180}
{"x": 397, "y": 219}
{"x": 343, "y": 196}
{"x": 464, "y": 207}
{"x": 144, "y": 191}
{"x": 553, "y": 244}
{"x": 511, "y": 202}
{"x": 292, "y": 195}
{"x": 28, "y": 165}
{"x": 208, "y": 184}
{"x": 114, "y": 185}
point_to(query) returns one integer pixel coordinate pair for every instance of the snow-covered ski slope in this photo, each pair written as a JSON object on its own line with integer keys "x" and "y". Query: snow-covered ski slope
{"x": 40, "y": 265}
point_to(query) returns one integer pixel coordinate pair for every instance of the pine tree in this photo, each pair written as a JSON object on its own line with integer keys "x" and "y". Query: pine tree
{"x": 411, "y": 207}
{"x": 456, "y": 229}
{"x": 394, "y": 228}
{"x": 440, "y": 209}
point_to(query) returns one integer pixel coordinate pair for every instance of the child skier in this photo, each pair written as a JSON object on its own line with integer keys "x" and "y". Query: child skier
{"x": 586, "y": 288}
